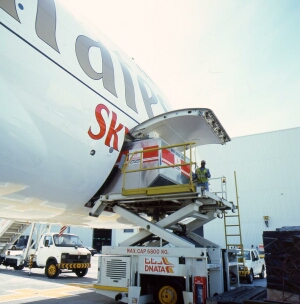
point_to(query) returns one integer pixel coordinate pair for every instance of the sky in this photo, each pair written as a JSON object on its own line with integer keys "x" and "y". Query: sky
{"x": 240, "y": 59}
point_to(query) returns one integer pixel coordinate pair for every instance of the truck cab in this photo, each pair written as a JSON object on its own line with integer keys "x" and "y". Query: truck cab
{"x": 250, "y": 265}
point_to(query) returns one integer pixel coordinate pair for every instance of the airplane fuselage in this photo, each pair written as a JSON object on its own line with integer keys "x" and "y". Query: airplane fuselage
{"x": 68, "y": 97}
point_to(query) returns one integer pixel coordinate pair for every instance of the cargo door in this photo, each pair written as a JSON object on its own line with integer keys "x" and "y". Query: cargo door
{"x": 200, "y": 126}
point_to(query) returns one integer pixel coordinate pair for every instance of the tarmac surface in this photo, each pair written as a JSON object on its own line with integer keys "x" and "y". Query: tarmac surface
{"x": 17, "y": 287}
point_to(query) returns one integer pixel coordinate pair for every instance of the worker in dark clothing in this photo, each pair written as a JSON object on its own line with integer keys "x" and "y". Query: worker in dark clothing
{"x": 203, "y": 175}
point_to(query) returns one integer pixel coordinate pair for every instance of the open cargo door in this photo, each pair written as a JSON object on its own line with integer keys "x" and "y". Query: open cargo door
{"x": 200, "y": 126}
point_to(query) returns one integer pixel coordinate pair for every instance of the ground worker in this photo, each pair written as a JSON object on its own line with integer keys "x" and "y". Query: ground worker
{"x": 203, "y": 175}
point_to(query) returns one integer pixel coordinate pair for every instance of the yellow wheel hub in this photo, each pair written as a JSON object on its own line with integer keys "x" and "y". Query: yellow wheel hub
{"x": 52, "y": 270}
{"x": 167, "y": 295}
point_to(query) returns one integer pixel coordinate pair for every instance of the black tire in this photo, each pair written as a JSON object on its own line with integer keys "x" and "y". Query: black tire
{"x": 250, "y": 277}
{"x": 233, "y": 277}
{"x": 51, "y": 270}
{"x": 81, "y": 272}
{"x": 262, "y": 274}
{"x": 168, "y": 291}
{"x": 20, "y": 267}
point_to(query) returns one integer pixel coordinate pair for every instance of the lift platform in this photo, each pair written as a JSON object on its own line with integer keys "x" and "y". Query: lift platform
{"x": 203, "y": 206}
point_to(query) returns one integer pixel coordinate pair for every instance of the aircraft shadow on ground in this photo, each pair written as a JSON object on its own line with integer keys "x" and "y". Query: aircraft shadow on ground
{"x": 41, "y": 276}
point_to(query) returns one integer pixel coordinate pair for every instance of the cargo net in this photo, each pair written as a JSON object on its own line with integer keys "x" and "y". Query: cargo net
{"x": 282, "y": 257}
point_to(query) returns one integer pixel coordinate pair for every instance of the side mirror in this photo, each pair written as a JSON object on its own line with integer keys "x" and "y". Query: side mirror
{"x": 47, "y": 243}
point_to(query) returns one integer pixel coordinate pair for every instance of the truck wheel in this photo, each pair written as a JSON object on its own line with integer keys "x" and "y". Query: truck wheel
{"x": 51, "y": 270}
{"x": 250, "y": 277}
{"x": 168, "y": 291}
{"x": 262, "y": 274}
{"x": 82, "y": 272}
{"x": 20, "y": 267}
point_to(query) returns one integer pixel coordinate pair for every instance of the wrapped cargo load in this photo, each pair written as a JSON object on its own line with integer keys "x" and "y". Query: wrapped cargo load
{"x": 282, "y": 257}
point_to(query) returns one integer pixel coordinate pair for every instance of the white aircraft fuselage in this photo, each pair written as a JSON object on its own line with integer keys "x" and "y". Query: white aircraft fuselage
{"x": 68, "y": 97}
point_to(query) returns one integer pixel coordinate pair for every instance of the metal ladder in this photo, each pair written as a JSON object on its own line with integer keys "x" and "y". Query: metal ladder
{"x": 232, "y": 225}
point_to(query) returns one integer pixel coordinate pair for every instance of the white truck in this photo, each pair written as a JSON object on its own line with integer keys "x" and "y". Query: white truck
{"x": 54, "y": 252}
{"x": 251, "y": 265}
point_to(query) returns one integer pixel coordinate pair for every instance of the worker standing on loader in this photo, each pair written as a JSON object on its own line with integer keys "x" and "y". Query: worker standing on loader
{"x": 203, "y": 175}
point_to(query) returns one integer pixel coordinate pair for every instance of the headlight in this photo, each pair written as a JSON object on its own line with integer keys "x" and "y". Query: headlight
{"x": 88, "y": 255}
{"x": 64, "y": 256}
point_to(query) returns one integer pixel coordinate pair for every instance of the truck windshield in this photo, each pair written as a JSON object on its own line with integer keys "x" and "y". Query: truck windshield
{"x": 66, "y": 240}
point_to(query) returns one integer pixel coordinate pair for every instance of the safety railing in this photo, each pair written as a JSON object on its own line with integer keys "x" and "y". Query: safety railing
{"x": 220, "y": 184}
{"x": 136, "y": 156}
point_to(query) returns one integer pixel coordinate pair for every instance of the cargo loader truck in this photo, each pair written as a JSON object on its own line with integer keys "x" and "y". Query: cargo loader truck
{"x": 152, "y": 187}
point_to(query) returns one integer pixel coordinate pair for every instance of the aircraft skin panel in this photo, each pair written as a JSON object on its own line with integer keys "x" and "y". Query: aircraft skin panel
{"x": 66, "y": 103}
{"x": 43, "y": 148}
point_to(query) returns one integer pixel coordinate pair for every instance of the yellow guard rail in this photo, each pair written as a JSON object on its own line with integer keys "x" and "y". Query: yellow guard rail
{"x": 190, "y": 187}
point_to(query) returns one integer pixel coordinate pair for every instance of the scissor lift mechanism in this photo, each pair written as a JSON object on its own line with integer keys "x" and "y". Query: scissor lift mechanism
{"x": 186, "y": 212}
{"x": 189, "y": 211}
